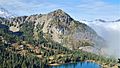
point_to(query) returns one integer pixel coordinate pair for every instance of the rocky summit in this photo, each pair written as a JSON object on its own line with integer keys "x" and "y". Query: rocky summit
{"x": 59, "y": 27}
{"x": 44, "y": 40}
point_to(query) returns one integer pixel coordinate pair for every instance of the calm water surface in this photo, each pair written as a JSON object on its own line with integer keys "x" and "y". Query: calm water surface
{"x": 78, "y": 65}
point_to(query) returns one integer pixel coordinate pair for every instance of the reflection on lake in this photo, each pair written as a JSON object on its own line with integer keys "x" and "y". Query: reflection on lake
{"x": 78, "y": 65}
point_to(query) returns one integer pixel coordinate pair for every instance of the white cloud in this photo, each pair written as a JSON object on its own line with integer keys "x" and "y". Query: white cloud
{"x": 111, "y": 33}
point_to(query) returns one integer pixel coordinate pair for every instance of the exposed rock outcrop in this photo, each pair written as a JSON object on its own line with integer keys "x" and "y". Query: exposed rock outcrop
{"x": 59, "y": 27}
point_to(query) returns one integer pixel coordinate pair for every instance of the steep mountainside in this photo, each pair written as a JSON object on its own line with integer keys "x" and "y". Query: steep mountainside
{"x": 38, "y": 41}
{"x": 57, "y": 26}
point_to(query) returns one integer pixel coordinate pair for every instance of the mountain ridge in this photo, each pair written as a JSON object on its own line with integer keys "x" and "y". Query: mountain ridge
{"x": 102, "y": 20}
{"x": 59, "y": 27}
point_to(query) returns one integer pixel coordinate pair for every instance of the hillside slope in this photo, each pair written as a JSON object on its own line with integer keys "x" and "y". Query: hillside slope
{"x": 57, "y": 26}
{"x": 38, "y": 41}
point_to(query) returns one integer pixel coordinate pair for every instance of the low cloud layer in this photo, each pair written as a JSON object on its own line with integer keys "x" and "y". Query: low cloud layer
{"x": 110, "y": 31}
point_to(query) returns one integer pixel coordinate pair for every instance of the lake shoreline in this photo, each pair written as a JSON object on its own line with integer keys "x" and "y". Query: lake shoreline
{"x": 103, "y": 65}
{"x": 57, "y": 64}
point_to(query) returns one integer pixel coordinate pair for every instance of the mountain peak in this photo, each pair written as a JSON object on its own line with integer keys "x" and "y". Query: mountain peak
{"x": 58, "y": 12}
{"x": 118, "y": 20}
{"x": 101, "y": 20}
{"x": 57, "y": 26}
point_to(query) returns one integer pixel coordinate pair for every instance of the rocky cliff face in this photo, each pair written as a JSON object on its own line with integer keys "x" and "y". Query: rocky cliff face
{"x": 59, "y": 27}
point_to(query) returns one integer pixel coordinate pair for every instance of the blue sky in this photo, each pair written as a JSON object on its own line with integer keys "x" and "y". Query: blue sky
{"x": 78, "y": 9}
